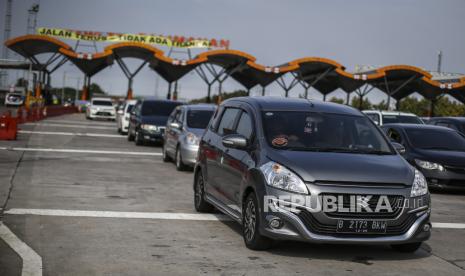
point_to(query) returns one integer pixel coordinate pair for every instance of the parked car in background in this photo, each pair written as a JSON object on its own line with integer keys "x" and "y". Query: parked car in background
{"x": 261, "y": 154}
{"x": 14, "y": 99}
{"x": 184, "y": 129}
{"x": 148, "y": 120}
{"x": 100, "y": 108}
{"x": 456, "y": 123}
{"x": 438, "y": 152}
{"x": 123, "y": 114}
{"x": 390, "y": 117}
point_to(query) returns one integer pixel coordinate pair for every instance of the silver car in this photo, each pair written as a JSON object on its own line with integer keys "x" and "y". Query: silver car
{"x": 184, "y": 129}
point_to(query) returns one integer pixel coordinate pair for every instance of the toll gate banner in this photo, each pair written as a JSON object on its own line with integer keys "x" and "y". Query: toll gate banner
{"x": 169, "y": 41}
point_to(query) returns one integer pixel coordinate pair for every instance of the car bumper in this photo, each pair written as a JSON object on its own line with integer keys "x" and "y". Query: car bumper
{"x": 151, "y": 136}
{"x": 102, "y": 116}
{"x": 318, "y": 227}
{"x": 189, "y": 154}
{"x": 445, "y": 179}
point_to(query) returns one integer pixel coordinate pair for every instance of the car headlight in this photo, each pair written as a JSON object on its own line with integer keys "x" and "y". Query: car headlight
{"x": 280, "y": 177}
{"x": 419, "y": 186}
{"x": 192, "y": 139}
{"x": 149, "y": 127}
{"x": 429, "y": 165}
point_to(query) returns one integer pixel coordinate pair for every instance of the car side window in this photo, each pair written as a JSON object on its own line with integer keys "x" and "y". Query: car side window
{"x": 215, "y": 119}
{"x": 394, "y": 135}
{"x": 179, "y": 116}
{"x": 171, "y": 117}
{"x": 137, "y": 108}
{"x": 226, "y": 125}
{"x": 244, "y": 126}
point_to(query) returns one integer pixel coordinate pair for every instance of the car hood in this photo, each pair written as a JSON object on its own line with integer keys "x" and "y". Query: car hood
{"x": 154, "y": 120}
{"x": 443, "y": 157}
{"x": 345, "y": 167}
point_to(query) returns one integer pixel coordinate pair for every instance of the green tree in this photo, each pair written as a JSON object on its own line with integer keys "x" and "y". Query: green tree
{"x": 365, "y": 104}
{"x": 96, "y": 89}
{"x": 337, "y": 100}
{"x": 381, "y": 105}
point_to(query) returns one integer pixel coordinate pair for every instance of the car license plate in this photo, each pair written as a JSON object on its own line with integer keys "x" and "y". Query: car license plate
{"x": 361, "y": 226}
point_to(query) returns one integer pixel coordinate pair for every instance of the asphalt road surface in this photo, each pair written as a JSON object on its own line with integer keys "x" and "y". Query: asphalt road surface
{"x": 79, "y": 199}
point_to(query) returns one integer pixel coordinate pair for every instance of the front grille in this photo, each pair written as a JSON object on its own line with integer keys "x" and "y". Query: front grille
{"x": 103, "y": 113}
{"x": 393, "y": 227}
{"x": 396, "y": 202}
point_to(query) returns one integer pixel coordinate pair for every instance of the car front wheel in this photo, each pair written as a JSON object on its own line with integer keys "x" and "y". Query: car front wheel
{"x": 251, "y": 225}
{"x": 179, "y": 164}
{"x": 201, "y": 205}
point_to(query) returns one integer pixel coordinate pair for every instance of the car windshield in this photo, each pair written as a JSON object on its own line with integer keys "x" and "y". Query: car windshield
{"x": 103, "y": 103}
{"x": 198, "y": 118}
{"x": 158, "y": 108}
{"x": 392, "y": 119}
{"x": 310, "y": 131}
{"x": 439, "y": 139}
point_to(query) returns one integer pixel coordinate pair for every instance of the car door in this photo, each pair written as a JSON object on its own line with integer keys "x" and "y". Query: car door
{"x": 216, "y": 172}
{"x": 133, "y": 118}
{"x": 234, "y": 164}
{"x": 172, "y": 133}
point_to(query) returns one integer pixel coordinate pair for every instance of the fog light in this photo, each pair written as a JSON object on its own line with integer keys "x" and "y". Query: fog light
{"x": 426, "y": 227}
{"x": 276, "y": 223}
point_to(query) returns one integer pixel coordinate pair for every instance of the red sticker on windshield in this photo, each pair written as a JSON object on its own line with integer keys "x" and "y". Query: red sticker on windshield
{"x": 279, "y": 141}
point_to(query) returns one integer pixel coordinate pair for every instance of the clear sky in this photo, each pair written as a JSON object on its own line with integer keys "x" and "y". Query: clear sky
{"x": 375, "y": 32}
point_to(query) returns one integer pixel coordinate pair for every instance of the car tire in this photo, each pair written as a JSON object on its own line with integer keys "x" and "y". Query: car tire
{"x": 178, "y": 160}
{"x": 201, "y": 205}
{"x": 251, "y": 225}
{"x": 138, "y": 140}
{"x": 406, "y": 247}
{"x": 165, "y": 156}
{"x": 120, "y": 131}
{"x": 130, "y": 136}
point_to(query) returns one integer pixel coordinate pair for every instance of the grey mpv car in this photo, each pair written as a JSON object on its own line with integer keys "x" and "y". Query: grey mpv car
{"x": 295, "y": 169}
{"x": 184, "y": 128}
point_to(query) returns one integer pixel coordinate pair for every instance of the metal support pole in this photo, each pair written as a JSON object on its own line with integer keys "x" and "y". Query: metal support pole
{"x": 168, "y": 96}
{"x": 306, "y": 92}
{"x": 175, "y": 92}
{"x": 324, "y": 97}
{"x": 248, "y": 92}
{"x": 209, "y": 92}
{"x": 348, "y": 98}
{"x": 431, "y": 107}
{"x": 263, "y": 90}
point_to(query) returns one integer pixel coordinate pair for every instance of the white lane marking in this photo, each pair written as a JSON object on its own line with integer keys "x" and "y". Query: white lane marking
{"x": 155, "y": 215}
{"x": 79, "y": 122}
{"x": 69, "y": 125}
{"x": 448, "y": 225}
{"x": 71, "y": 133}
{"x": 82, "y": 151}
{"x": 113, "y": 214}
{"x": 32, "y": 262}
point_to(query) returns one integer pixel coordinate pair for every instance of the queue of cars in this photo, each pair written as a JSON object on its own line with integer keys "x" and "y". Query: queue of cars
{"x": 265, "y": 161}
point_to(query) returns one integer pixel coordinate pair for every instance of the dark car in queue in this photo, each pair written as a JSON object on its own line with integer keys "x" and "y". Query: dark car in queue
{"x": 148, "y": 120}
{"x": 456, "y": 123}
{"x": 438, "y": 152}
{"x": 184, "y": 128}
{"x": 269, "y": 162}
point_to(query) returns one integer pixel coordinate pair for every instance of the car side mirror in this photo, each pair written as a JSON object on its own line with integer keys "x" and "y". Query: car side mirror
{"x": 120, "y": 112}
{"x": 175, "y": 125}
{"x": 235, "y": 141}
{"x": 399, "y": 147}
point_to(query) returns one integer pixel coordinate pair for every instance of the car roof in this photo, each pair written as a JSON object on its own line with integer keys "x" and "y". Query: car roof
{"x": 200, "y": 106}
{"x": 101, "y": 99}
{"x": 155, "y": 99}
{"x": 457, "y": 119}
{"x": 416, "y": 126}
{"x": 295, "y": 104}
{"x": 131, "y": 101}
{"x": 386, "y": 112}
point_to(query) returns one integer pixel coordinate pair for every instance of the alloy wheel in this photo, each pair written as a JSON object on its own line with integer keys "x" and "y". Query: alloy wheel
{"x": 250, "y": 220}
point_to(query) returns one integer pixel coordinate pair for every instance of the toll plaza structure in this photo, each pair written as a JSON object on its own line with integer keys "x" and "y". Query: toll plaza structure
{"x": 215, "y": 66}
